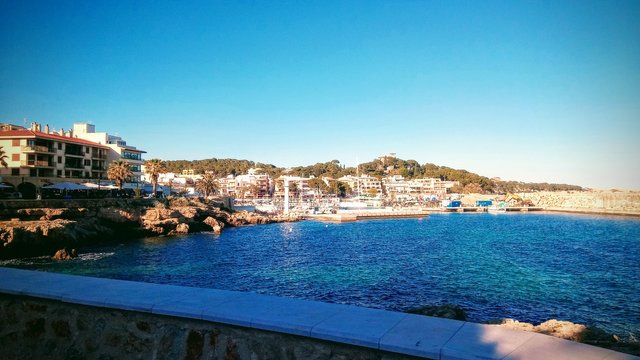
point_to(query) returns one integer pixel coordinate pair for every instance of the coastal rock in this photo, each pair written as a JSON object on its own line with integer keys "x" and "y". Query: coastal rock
{"x": 161, "y": 227}
{"x": 577, "y": 332}
{"x": 65, "y": 254}
{"x": 447, "y": 311}
{"x": 103, "y": 220}
{"x": 560, "y": 329}
{"x": 50, "y": 214}
{"x": 241, "y": 218}
{"x": 216, "y": 225}
{"x": 182, "y": 229}
{"x": 117, "y": 215}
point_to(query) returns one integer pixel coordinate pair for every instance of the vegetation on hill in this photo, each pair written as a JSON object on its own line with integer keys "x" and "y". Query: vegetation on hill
{"x": 381, "y": 167}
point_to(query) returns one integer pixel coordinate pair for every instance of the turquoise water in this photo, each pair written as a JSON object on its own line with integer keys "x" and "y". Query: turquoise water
{"x": 531, "y": 267}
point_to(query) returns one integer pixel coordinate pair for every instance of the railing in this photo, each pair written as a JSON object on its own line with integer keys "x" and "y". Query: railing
{"x": 74, "y": 153}
{"x": 99, "y": 156}
{"x": 38, "y": 148}
{"x": 74, "y": 166}
{"x": 35, "y": 163}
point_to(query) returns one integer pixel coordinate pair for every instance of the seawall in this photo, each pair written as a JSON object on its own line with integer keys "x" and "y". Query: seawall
{"x": 56, "y": 316}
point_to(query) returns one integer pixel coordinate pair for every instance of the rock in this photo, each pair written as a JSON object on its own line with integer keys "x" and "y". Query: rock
{"x": 216, "y": 225}
{"x": 447, "y": 311}
{"x": 65, "y": 254}
{"x": 50, "y": 229}
{"x": 182, "y": 229}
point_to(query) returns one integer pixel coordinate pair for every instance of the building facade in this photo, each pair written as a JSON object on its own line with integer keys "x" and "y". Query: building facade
{"x": 37, "y": 157}
{"x": 118, "y": 148}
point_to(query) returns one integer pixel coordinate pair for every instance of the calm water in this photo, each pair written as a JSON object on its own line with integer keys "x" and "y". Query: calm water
{"x": 531, "y": 267}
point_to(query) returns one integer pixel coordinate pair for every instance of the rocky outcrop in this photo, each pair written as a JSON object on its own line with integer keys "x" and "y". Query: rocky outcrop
{"x": 215, "y": 224}
{"x": 447, "y": 311}
{"x": 42, "y": 231}
{"x": 65, "y": 254}
{"x": 561, "y": 329}
{"x": 576, "y": 332}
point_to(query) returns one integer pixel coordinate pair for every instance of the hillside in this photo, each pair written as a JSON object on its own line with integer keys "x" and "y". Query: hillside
{"x": 410, "y": 169}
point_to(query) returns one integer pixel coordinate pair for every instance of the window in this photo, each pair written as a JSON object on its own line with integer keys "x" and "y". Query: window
{"x": 59, "y": 173}
{"x": 59, "y": 159}
{"x": 87, "y": 162}
{"x": 15, "y": 142}
{"x": 15, "y": 171}
{"x": 86, "y": 149}
{"x": 59, "y": 146}
{"x": 15, "y": 157}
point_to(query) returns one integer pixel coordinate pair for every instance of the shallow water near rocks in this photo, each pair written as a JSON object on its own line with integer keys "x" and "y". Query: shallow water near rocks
{"x": 530, "y": 267}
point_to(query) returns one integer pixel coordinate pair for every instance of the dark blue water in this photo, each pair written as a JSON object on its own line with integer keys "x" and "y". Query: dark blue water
{"x": 531, "y": 267}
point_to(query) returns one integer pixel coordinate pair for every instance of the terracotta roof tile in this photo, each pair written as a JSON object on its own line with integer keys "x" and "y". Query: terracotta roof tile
{"x": 38, "y": 134}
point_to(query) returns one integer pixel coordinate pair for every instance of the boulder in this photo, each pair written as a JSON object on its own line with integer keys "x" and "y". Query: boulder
{"x": 182, "y": 229}
{"x": 65, "y": 254}
{"x": 447, "y": 311}
{"x": 216, "y": 225}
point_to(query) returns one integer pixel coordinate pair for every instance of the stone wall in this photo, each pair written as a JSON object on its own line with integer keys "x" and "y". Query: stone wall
{"x": 623, "y": 202}
{"x": 46, "y": 329}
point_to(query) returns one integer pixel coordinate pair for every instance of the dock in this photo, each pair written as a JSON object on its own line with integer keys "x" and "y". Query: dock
{"x": 486, "y": 209}
{"x": 369, "y": 215}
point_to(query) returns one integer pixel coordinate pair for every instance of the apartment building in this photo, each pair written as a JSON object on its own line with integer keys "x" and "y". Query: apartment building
{"x": 252, "y": 185}
{"x": 227, "y": 185}
{"x": 362, "y": 185}
{"x": 38, "y": 156}
{"x": 118, "y": 148}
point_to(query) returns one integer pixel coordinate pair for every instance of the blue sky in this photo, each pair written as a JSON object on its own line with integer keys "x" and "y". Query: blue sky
{"x": 531, "y": 90}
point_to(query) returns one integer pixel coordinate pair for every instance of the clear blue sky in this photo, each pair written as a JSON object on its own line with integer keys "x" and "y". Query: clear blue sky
{"x": 531, "y": 90}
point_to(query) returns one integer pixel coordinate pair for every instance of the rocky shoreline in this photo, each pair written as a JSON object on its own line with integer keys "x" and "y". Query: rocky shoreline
{"x": 26, "y": 232}
{"x": 561, "y": 329}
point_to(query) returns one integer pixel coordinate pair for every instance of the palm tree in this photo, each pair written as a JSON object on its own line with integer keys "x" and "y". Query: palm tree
{"x": 119, "y": 171}
{"x": 208, "y": 185}
{"x": 3, "y": 157}
{"x": 154, "y": 168}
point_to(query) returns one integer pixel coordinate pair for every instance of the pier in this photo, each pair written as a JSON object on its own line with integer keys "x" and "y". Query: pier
{"x": 367, "y": 215}
{"x": 486, "y": 209}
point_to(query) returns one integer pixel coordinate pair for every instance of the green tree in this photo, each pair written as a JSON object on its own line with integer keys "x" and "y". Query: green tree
{"x": 208, "y": 184}
{"x": 154, "y": 168}
{"x": 119, "y": 171}
{"x": 3, "y": 157}
{"x": 293, "y": 189}
{"x": 473, "y": 188}
{"x": 318, "y": 186}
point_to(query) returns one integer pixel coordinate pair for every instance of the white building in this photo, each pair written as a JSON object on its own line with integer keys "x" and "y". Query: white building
{"x": 119, "y": 148}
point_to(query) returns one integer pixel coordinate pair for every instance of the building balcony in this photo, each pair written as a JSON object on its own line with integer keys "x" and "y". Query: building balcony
{"x": 99, "y": 156}
{"x": 37, "y": 148}
{"x": 75, "y": 154}
{"x": 35, "y": 163}
{"x": 73, "y": 167}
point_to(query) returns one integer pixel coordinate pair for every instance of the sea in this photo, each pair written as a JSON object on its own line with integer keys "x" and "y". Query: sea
{"x": 526, "y": 266}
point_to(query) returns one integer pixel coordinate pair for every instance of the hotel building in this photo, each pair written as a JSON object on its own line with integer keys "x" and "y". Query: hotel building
{"x": 118, "y": 148}
{"x": 37, "y": 156}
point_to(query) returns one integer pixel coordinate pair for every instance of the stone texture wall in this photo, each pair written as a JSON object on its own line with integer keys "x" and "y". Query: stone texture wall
{"x": 42, "y": 329}
{"x": 589, "y": 201}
